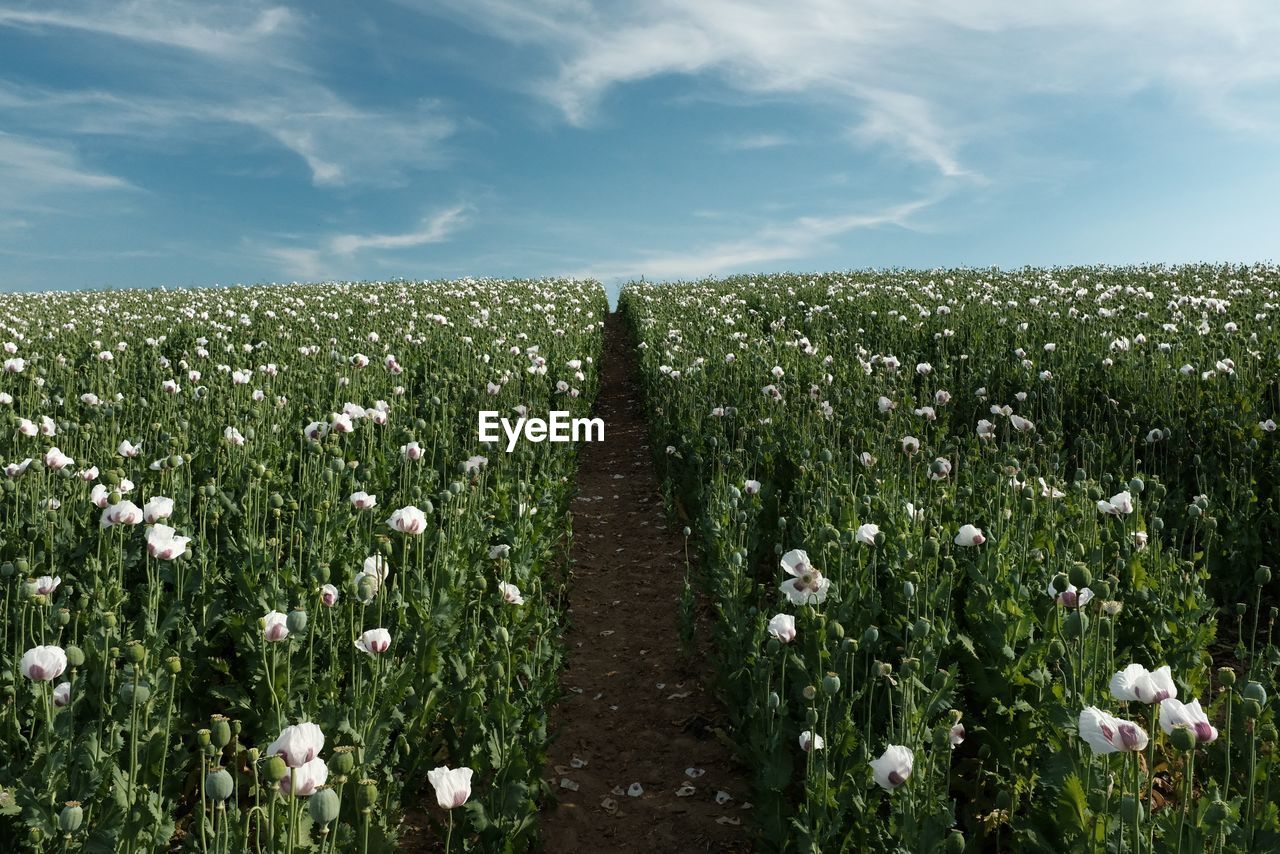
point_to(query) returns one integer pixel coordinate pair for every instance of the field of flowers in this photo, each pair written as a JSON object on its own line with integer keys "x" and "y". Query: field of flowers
{"x": 260, "y": 589}
{"x": 988, "y": 553}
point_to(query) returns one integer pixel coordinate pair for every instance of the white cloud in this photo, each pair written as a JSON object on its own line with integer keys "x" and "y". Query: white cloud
{"x": 926, "y": 81}
{"x": 33, "y": 163}
{"x": 333, "y": 255}
{"x": 220, "y": 66}
{"x": 780, "y": 241}
{"x": 757, "y": 141}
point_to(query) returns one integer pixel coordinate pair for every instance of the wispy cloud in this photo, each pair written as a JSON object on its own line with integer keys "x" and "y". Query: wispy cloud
{"x": 774, "y": 242}
{"x": 925, "y": 81}
{"x": 335, "y": 253}
{"x": 220, "y": 30}
{"x": 33, "y": 163}
{"x": 756, "y": 141}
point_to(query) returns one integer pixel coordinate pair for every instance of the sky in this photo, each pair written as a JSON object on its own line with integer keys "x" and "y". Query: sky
{"x": 155, "y": 142}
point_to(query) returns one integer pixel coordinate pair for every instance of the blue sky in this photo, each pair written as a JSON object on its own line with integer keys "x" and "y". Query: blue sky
{"x": 154, "y": 142}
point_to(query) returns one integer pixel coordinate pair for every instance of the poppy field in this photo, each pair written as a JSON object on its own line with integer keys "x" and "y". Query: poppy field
{"x": 988, "y": 555}
{"x": 261, "y": 589}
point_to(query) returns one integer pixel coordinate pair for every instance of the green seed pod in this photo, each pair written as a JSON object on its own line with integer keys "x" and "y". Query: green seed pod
{"x": 128, "y": 693}
{"x": 366, "y": 795}
{"x": 1255, "y": 691}
{"x": 870, "y": 636}
{"x": 931, "y": 547}
{"x": 1136, "y": 485}
{"x": 218, "y": 784}
{"x": 75, "y": 656}
{"x": 1183, "y": 738}
{"x": 809, "y": 692}
{"x": 1262, "y": 575}
{"x": 1060, "y": 582}
{"x": 220, "y": 728}
{"x": 1056, "y": 650}
{"x": 1252, "y": 709}
{"x": 1194, "y": 511}
{"x": 1080, "y": 576}
{"x": 1130, "y": 809}
{"x": 297, "y": 620}
{"x": 774, "y": 701}
{"x": 71, "y": 817}
{"x": 954, "y": 843}
{"x": 135, "y": 652}
{"x": 173, "y": 664}
{"x": 1216, "y": 813}
{"x": 831, "y": 684}
{"x": 276, "y": 500}
{"x": 109, "y": 620}
{"x": 204, "y": 737}
{"x": 275, "y": 768}
{"x": 811, "y": 717}
{"x": 64, "y": 616}
{"x": 921, "y": 628}
{"x": 342, "y": 762}
{"x": 324, "y": 805}
{"x": 1226, "y": 676}
{"x": 1075, "y": 625}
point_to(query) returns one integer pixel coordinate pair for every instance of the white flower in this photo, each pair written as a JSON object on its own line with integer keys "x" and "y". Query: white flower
{"x": 893, "y": 767}
{"x": 806, "y": 585}
{"x": 374, "y": 641}
{"x": 408, "y": 520}
{"x": 363, "y": 501}
{"x": 45, "y": 584}
{"x": 1108, "y": 734}
{"x": 1071, "y": 597}
{"x": 783, "y": 627}
{"x": 866, "y": 534}
{"x": 751, "y": 487}
{"x": 329, "y": 595}
{"x": 810, "y": 740}
{"x": 1137, "y": 684}
{"x": 62, "y": 695}
{"x": 157, "y": 509}
{"x": 128, "y": 449}
{"x": 1174, "y": 713}
{"x": 1022, "y": 425}
{"x": 298, "y": 744}
{"x": 412, "y": 451}
{"x": 453, "y": 786}
{"x": 275, "y": 628}
{"x": 43, "y": 663}
{"x": 124, "y": 513}
{"x": 233, "y": 437}
{"x": 510, "y": 593}
{"x": 1121, "y": 504}
{"x": 474, "y": 464}
{"x": 163, "y": 543}
{"x": 304, "y": 780}
{"x": 499, "y": 552}
{"x": 970, "y": 535}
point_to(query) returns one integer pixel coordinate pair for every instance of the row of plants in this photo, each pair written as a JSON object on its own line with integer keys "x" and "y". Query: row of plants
{"x": 987, "y": 552}
{"x": 261, "y": 588}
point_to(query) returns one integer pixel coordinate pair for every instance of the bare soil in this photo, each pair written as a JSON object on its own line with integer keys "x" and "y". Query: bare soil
{"x": 635, "y": 711}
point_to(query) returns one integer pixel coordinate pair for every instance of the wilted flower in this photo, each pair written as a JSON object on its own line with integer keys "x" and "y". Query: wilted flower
{"x": 233, "y": 437}
{"x": 910, "y": 445}
{"x": 893, "y": 767}
{"x": 783, "y": 627}
{"x": 806, "y": 585}
{"x": 1174, "y": 713}
{"x": 1022, "y": 425}
{"x": 453, "y": 786}
{"x": 970, "y": 535}
{"x": 374, "y": 641}
{"x": 1106, "y": 733}
{"x": 499, "y": 551}
{"x": 328, "y": 595}
{"x": 43, "y": 663}
{"x": 1071, "y": 597}
{"x": 474, "y": 464}
{"x": 408, "y": 520}
{"x": 1136, "y": 683}
{"x": 275, "y": 627}
{"x": 45, "y": 584}
{"x": 298, "y": 744}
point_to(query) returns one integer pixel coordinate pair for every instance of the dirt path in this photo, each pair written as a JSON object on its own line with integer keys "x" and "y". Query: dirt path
{"x": 634, "y": 711}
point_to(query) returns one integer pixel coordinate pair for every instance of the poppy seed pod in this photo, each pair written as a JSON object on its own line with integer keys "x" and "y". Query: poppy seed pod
{"x": 809, "y": 692}
{"x": 275, "y": 768}
{"x": 1254, "y": 691}
{"x": 1226, "y": 676}
{"x": 75, "y": 656}
{"x": 774, "y": 701}
{"x": 135, "y": 652}
{"x": 1183, "y": 738}
{"x": 1080, "y": 576}
{"x": 954, "y": 843}
{"x": 1060, "y": 582}
{"x": 831, "y": 684}
{"x": 366, "y": 795}
{"x": 343, "y": 762}
{"x": 218, "y": 784}
{"x": 71, "y": 817}
{"x": 1262, "y": 575}
{"x": 811, "y": 717}
{"x": 220, "y": 729}
{"x": 296, "y": 621}
{"x": 324, "y": 806}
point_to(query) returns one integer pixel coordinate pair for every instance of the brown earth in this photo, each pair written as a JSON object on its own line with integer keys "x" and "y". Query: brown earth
{"x": 634, "y": 710}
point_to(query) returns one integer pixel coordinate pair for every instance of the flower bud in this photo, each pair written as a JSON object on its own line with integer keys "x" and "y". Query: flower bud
{"x": 503, "y": 636}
